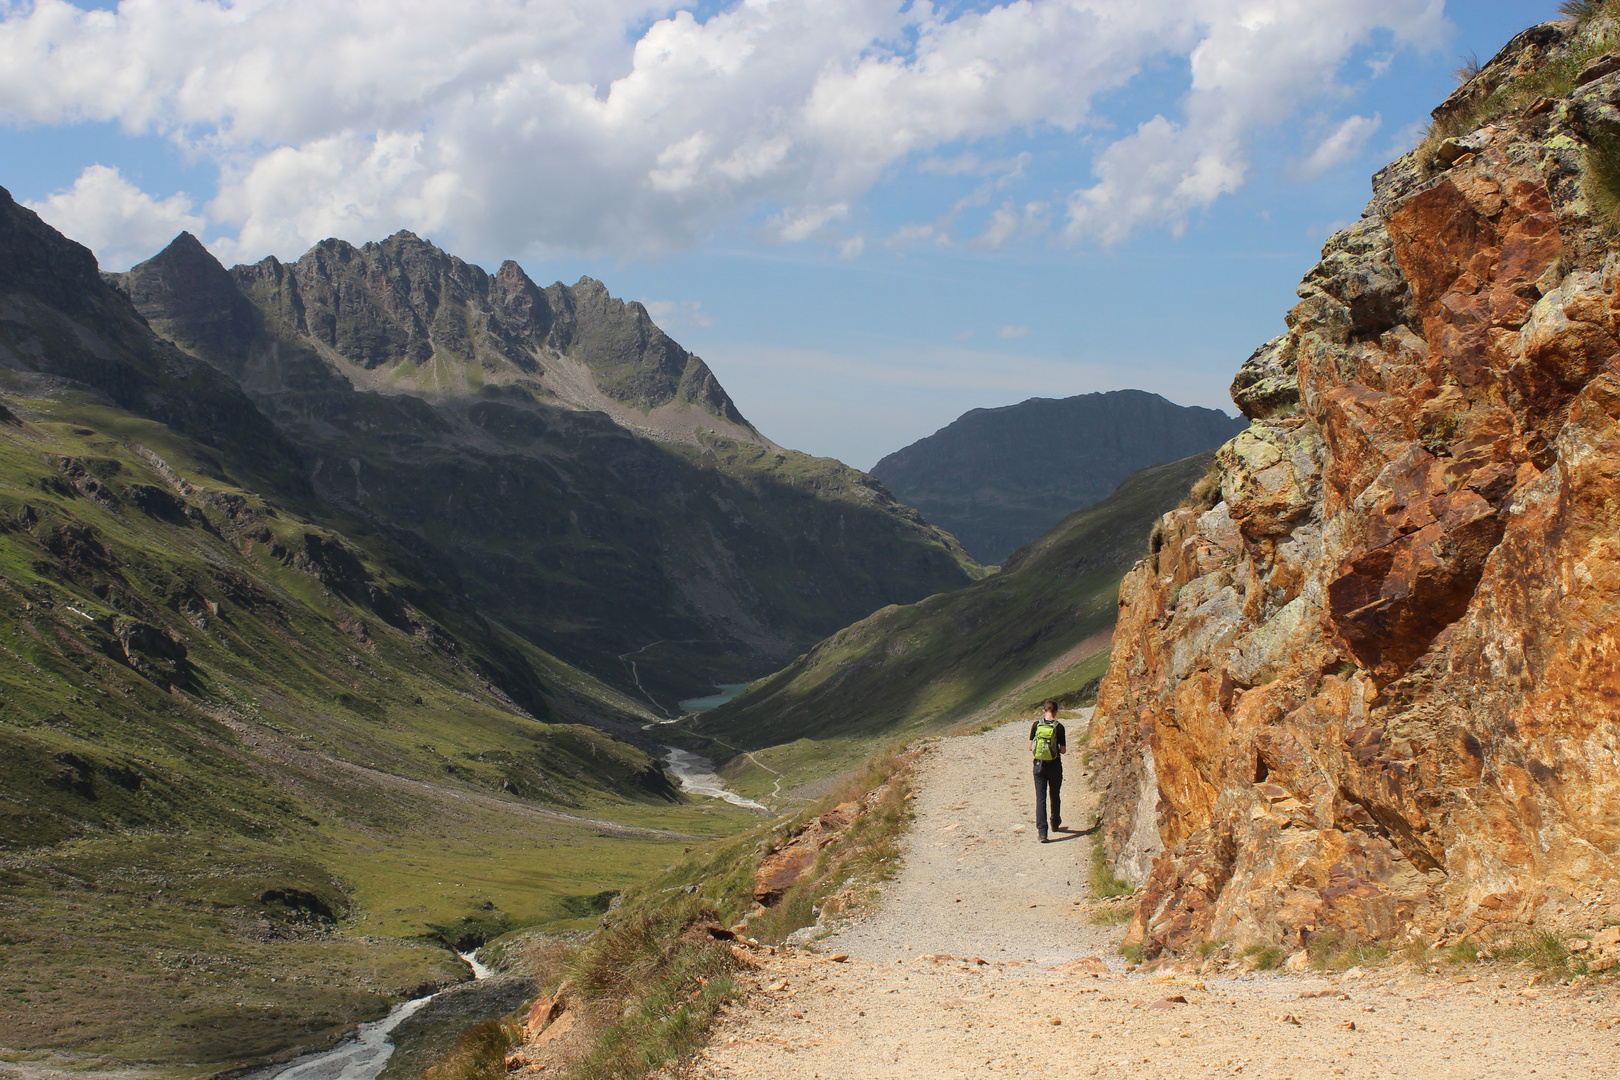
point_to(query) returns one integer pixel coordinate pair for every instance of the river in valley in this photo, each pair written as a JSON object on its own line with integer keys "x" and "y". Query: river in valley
{"x": 697, "y": 776}
{"x": 362, "y": 1057}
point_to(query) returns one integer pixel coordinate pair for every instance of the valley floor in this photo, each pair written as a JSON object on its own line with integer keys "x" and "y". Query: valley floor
{"x": 980, "y": 961}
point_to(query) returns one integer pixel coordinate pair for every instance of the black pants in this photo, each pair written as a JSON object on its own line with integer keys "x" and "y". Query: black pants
{"x": 1048, "y": 784}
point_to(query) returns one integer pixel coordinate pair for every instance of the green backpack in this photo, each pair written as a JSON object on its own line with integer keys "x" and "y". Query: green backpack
{"x": 1046, "y": 740}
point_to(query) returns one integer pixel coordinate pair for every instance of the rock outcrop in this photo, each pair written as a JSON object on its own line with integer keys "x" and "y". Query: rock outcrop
{"x": 1369, "y": 688}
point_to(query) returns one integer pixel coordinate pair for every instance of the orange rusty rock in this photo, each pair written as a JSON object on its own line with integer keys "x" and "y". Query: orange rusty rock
{"x": 1376, "y": 689}
{"x": 557, "y": 1029}
{"x": 544, "y": 1012}
{"x": 785, "y": 867}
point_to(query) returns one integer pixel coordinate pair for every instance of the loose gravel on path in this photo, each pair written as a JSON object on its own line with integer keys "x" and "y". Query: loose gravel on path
{"x": 978, "y": 962}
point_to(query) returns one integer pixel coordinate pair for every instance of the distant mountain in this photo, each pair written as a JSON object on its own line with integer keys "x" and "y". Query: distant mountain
{"x": 998, "y": 478}
{"x": 1027, "y": 630}
{"x": 552, "y": 455}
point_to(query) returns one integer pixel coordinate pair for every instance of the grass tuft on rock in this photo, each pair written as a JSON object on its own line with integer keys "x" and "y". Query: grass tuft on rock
{"x": 479, "y": 1053}
{"x": 1110, "y": 916}
{"x": 1544, "y": 950}
{"x": 1584, "y": 11}
{"x": 1265, "y": 957}
{"x": 1103, "y": 882}
{"x": 1332, "y": 953}
{"x": 1553, "y": 79}
{"x": 1600, "y": 179}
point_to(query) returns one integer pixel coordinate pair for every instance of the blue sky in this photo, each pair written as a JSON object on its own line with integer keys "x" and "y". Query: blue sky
{"x": 868, "y": 216}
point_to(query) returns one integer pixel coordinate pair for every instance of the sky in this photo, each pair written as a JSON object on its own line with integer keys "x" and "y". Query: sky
{"x": 867, "y": 216}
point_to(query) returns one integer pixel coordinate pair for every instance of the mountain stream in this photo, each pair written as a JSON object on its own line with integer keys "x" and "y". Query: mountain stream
{"x": 363, "y": 1057}
{"x": 697, "y": 776}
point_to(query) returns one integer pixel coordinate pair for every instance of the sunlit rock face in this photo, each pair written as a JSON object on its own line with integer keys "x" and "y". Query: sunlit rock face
{"x": 1368, "y": 689}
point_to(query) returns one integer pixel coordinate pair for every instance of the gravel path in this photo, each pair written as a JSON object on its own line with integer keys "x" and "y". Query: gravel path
{"x": 976, "y": 880}
{"x": 979, "y": 963}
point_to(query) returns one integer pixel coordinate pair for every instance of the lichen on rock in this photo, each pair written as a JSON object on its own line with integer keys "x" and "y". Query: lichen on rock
{"x": 1374, "y": 692}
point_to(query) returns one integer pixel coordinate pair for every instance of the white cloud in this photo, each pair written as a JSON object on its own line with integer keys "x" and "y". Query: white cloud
{"x": 627, "y": 127}
{"x": 1344, "y": 143}
{"x": 853, "y": 247}
{"x": 1012, "y": 333}
{"x": 675, "y": 315}
{"x": 1257, "y": 64}
{"x": 1004, "y": 222}
{"x": 794, "y": 225}
{"x": 1004, "y": 170}
{"x": 117, "y": 220}
{"x": 961, "y": 165}
{"x": 1008, "y": 221}
{"x": 918, "y": 233}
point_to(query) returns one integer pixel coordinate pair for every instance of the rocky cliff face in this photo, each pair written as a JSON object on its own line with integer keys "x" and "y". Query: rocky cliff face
{"x": 1369, "y": 689}
{"x": 403, "y": 317}
{"x": 997, "y": 479}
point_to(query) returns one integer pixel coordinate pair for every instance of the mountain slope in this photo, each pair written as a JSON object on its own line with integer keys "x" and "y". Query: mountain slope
{"x": 553, "y": 456}
{"x": 926, "y": 664}
{"x": 257, "y": 763}
{"x": 999, "y": 478}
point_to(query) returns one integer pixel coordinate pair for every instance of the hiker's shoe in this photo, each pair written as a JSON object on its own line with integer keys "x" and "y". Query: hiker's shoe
{"x": 1057, "y": 826}
{"x": 1043, "y": 838}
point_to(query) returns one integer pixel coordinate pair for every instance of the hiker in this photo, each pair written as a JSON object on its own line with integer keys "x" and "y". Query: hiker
{"x": 1046, "y": 742}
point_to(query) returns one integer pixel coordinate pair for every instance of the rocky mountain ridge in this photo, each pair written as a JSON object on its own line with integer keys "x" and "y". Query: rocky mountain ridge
{"x": 402, "y": 317}
{"x": 998, "y": 479}
{"x": 555, "y": 458}
{"x": 1366, "y": 691}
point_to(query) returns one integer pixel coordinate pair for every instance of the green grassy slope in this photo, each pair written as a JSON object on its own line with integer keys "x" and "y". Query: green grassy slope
{"x": 253, "y": 775}
{"x": 925, "y": 665}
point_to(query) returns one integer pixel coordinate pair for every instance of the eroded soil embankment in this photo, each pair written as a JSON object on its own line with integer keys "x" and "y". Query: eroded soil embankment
{"x": 1053, "y": 1000}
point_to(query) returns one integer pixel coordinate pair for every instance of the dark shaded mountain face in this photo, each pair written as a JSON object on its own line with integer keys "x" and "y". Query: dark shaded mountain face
{"x": 552, "y": 455}
{"x": 999, "y": 478}
{"x": 922, "y": 666}
{"x": 60, "y": 319}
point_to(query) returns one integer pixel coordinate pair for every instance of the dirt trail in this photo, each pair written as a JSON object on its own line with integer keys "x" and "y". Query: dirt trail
{"x": 1053, "y": 1000}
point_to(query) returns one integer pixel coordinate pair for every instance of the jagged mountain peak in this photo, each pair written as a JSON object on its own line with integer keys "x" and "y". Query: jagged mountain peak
{"x": 403, "y": 316}
{"x": 187, "y": 241}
